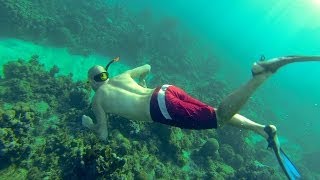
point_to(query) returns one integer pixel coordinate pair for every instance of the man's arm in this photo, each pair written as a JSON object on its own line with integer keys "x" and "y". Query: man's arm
{"x": 140, "y": 72}
{"x": 101, "y": 127}
{"x": 102, "y": 120}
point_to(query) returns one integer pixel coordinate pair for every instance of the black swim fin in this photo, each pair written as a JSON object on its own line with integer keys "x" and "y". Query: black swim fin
{"x": 287, "y": 166}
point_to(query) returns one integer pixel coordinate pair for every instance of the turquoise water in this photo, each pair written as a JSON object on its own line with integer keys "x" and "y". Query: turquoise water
{"x": 11, "y": 49}
{"x": 244, "y": 30}
{"x": 241, "y": 31}
{"x": 236, "y": 33}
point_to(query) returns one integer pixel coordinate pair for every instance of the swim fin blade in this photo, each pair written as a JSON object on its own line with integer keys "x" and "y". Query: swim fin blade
{"x": 286, "y": 164}
{"x": 288, "y": 167}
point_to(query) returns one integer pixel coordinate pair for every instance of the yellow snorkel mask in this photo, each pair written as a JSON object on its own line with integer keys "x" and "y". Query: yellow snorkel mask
{"x": 103, "y": 76}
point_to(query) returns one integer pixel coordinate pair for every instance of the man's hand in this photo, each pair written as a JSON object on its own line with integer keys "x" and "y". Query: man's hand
{"x": 102, "y": 131}
{"x": 87, "y": 122}
{"x": 140, "y": 72}
{"x": 143, "y": 83}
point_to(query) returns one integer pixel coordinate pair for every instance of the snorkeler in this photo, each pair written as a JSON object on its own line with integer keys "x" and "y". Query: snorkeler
{"x": 168, "y": 104}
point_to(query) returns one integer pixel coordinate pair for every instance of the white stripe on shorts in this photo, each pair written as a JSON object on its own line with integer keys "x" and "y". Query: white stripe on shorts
{"x": 162, "y": 101}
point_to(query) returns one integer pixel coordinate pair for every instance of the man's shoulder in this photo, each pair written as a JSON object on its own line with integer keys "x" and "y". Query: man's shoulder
{"x": 120, "y": 79}
{"x": 121, "y": 76}
{"x": 101, "y": 92}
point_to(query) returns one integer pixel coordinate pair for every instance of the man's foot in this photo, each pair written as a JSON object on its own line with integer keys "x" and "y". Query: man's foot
{"x": 272, "y": 138}
{"x": 265, "y": 67}
{"x": 272, "y": 65}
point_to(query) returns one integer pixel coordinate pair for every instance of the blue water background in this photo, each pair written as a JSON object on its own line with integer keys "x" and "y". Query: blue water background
{"x": 238, "y": 32}
{"x": 242, "y": 31}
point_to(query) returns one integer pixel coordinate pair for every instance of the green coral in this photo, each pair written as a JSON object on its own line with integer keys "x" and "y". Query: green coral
{"x": 210, "y": 148}
{"x": 15, "y": 125}
{"x": 252, "y": 171}
{"x": 14, "y": 172}
{"x": 40, "y": 110}
{"x": 29, "y": 80}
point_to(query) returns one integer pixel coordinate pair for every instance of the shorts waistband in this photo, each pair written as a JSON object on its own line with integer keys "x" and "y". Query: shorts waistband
{"x": 158, "y": 108}
{"x": 162, "y": 101}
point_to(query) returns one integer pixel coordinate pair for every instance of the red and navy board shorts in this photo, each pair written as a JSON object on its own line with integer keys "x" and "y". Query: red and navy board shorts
{"x": 172, "y": 106}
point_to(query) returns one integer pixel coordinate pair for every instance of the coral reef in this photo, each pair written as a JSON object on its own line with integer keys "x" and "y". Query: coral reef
{"x": 16, "y": 122}
{"x": 41, "y": 136}
{"x": 256, "y": 171}
{"x": 30, "y": 80}
{"x": 210, "y": 148}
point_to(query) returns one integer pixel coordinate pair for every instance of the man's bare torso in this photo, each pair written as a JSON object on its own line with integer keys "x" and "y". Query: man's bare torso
{"x": 123, "y": 96}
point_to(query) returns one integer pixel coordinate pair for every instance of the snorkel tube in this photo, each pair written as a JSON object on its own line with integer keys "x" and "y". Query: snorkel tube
{"x": 112, "y": 61}
{"x": 107, "y": 66}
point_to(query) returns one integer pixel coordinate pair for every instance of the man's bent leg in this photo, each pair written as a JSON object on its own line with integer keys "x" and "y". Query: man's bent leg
{"x": 244, "y": 123}
{"x": 261, "y": 71}
{"x": 232, "y": 103}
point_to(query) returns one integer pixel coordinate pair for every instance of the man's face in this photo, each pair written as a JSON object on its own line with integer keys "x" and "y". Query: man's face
{"x": 95, "y": 70}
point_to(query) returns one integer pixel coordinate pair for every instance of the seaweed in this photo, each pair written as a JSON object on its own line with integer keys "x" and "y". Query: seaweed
{"x": 41, "y": 136}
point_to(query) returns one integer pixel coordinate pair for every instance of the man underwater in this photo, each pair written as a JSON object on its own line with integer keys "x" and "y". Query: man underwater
{"x": 168, "y": 104}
